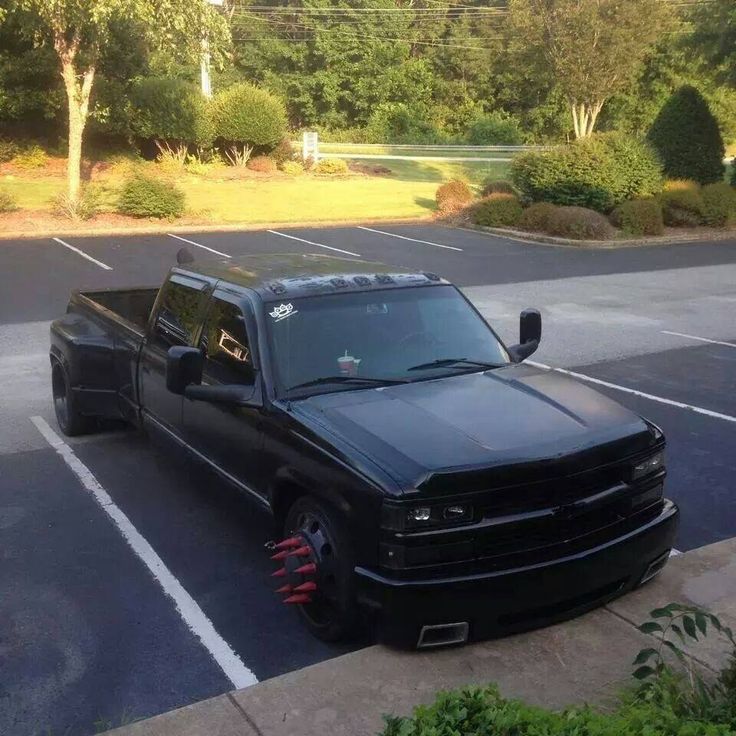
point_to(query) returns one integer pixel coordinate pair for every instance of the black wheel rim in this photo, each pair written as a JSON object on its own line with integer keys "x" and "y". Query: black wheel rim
{"x": 326, "y": 600}
{"x": 61, "y": 403}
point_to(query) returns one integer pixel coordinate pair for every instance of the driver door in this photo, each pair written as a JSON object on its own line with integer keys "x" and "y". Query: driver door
{"x": 229, "y": 436}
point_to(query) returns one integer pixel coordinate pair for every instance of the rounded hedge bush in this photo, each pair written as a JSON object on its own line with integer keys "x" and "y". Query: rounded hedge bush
{"x": 497, "y": 186}
{"x": 331, "y": 166}
{"x": 8, "y": 150}
{"x": 683, "y": 208}
{"x": 580, "y": 223}
{"x": 142, "y": 196}
{"x": 536, "y": 218}
{"x": 598, "y": 172}
{"x": 497, "y": 210}
{"x": 283, "y": 152}
{"x": 688, "y": 138}
{"x": 7, "y": 202}
{"x": 719, "y": 204}
{"x": 263, "y": 164}
{"x": 639, "y": 217}
{"x": 247, "y": 115}
{"x": 452, "y": 196}
{"x": 292, "y": 168}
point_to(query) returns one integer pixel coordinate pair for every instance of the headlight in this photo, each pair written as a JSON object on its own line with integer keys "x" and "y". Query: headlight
{"x": 400, "y": 517}
{"x": 650, "y": 465}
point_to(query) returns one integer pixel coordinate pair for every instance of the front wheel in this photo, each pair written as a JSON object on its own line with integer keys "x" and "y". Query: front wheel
{"x": 70, "y": 420}
{"x": 330, "y": 613}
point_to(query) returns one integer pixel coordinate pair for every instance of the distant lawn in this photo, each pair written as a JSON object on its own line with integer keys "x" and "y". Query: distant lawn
{"x": 439, "y": 171}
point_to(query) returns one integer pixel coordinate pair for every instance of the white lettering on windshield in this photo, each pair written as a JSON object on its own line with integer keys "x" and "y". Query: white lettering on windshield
{"x": 282, "y": 312}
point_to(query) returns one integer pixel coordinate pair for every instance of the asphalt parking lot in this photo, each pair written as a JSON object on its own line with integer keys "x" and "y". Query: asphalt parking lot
{"x": 88, "y": 636}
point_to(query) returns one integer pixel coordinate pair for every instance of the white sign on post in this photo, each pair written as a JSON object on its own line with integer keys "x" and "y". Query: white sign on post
{"x": 310, "y": 146}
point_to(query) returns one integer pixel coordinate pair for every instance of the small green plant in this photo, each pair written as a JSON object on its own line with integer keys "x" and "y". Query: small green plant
{"x": 719, "y": 204}
{"x": 497, "y": 210}
{"x": 33, "y": 157}
{"x": 536, "y": 217}
{"x": 452, "y": 196}
{"x": 292, "y": 168}
{"x": 7, "y": 202}
{"x": 171, "y": 158}
{"x": 84, "y": 208}
{"x": 239, "y": 155}
{"x": 683, "y": 207}
{"x": 639, "y": 217}
{"x": 579, "y": 223}
{"x": 331, "y": 166}
{"x": 263, "y": 164}
{"x": 497, "y": 186}
{"x": 143, "y": 196}
{"x": 8, "y": 150}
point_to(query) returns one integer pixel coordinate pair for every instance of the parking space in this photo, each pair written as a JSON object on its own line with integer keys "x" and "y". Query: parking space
{"x": 115, "y": 644}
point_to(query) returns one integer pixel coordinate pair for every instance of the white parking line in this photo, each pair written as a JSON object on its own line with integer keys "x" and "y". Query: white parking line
{"x": 651, "y": 397}
{"x": 701, "y": 339}
{"x": 199, "y": 245}
{"x": 187, "y": 607}
{"x": 83, "y": 254}
{"x": 414, "y": 240}
{"x": 318, "y": 245}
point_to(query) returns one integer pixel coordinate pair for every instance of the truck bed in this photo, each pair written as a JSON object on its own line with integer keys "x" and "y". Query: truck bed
{"x": 132, "y": 305}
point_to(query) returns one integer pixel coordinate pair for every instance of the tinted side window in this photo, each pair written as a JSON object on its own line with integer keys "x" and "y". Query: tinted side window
{"x": 225, "y": 344}
{"x": 178, "y": 310}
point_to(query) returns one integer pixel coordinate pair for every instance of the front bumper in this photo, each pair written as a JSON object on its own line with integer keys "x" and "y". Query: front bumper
{"x": 512, "y": 600}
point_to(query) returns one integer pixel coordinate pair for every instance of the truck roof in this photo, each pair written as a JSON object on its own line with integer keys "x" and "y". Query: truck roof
{"x": 278, "y": 275}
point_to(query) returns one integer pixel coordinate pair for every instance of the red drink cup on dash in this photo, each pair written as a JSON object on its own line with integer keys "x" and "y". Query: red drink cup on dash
{"x": 347, "y": 365}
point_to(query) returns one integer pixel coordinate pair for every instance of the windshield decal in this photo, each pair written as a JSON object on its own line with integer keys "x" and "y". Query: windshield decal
{"x": 282, "y": 312}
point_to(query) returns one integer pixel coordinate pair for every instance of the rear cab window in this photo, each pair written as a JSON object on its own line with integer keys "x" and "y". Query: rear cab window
{"x": 178, "y": 312}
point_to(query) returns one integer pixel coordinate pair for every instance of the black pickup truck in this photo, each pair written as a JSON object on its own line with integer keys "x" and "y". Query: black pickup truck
{"x": 424, "y": 478}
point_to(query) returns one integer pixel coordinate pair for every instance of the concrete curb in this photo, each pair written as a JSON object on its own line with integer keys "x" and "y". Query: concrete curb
{"x": 162, "y": 228}
{"x": 586, "y": 660}
{"x": 537, "y": 238}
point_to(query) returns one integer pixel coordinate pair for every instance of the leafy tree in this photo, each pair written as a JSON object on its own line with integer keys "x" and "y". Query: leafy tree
{"x": 80, "y": 30}
{"x": 714, "y": 36}
{"x": 593, "y": 47}
{"x": 687, "y": 138}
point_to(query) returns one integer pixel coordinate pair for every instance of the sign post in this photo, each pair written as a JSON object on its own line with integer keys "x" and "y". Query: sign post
{"x": 310, "y": 146}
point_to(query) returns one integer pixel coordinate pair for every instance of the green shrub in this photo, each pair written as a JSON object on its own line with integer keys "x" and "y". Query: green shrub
{"x": 453, "y": 196}
{"x": 688, "y": 139}
{"x": 170, "y": 110}
{"x": 497, "y": 210}
{"x": 292, "y": 168}
{"x": 495, "y": 129}
{"x": 674, "y": 185}
{"x": 683, "y": 208}
{"x": 283, "y": 152}
{"x": 33, "y": 157}
{"x": 397, "y": 122}
{"x": 264, "y": 164}
{"x": 143, "y": 196}
{"x": 331, "y": 166}
{"x": 733, "y": 172}
{"x": 598, "y": 172}
{"x": 639, "y": 217}
{"x": 246, "y": 115}
{"x": 86, "y": 207}
{"x": 8, "y": 150}
{"x": 580, "y": 223}
{"x": 497, "y": 186}
{"x": 7, "y": 202}
{"x": 719, "y": 204}
{"x": 536, "y": 218}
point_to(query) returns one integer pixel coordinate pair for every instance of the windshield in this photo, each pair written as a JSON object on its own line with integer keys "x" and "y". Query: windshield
{"x": 355, "y": 340}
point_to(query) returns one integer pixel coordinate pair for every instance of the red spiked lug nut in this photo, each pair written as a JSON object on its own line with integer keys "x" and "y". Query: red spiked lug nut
{"x": 300, "y": 552}
{"x": 309, "y": 569}
{"x": 281, "y": 555}
{"x": 298, "y": 599}
{"x": 280, "y": 573}
{"x": 289, "y": 543}
{"x": 308, "y": 587}
{"x": 284, "y": 589}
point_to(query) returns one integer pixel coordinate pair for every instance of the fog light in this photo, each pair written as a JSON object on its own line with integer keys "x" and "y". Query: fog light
{"x": 421, "y": 513}
{"x": 457, "y": 512}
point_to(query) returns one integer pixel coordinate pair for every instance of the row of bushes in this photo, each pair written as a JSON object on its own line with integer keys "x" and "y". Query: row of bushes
{"x": 682, "y": 204}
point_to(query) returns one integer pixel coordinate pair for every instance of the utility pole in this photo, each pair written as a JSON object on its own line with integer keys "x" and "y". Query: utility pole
{"x": 206, "y": 62}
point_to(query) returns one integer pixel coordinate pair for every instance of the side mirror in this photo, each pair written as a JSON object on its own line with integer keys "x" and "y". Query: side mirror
{"x": 183, "y": 368}
{"x": 530, "y": 335}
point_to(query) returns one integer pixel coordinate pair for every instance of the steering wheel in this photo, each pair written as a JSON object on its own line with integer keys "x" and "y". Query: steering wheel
{"x": 428, "y": 337}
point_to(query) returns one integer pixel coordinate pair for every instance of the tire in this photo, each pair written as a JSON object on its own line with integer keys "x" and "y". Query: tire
{"x": 333, "y": 615}
{"x": 68, "y": 417}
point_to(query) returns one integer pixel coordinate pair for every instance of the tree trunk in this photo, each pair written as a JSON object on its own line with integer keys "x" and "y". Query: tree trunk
{"x": 584, "y": 117}
{"x": 78, "y": 95}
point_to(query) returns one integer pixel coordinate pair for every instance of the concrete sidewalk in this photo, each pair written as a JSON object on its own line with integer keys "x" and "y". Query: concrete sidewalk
{"x": 584, "y": 660}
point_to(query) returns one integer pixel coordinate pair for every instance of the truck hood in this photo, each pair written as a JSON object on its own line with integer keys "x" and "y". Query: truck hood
{"x": 513, "y": 424}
